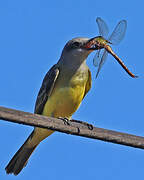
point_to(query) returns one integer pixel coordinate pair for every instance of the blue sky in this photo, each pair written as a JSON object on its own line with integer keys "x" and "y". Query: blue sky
{"x": 32, "y": 35}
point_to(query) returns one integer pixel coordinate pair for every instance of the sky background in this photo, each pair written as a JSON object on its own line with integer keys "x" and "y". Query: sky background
{"x": 32, "y": 36}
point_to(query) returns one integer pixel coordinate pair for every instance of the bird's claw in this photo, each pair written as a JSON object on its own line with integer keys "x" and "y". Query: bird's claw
{"x": 90, "y": 126}
{"x": 65, "y": 120}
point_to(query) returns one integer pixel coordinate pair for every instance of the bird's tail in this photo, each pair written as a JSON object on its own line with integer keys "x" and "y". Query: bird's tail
{"x": 20, "y": 159}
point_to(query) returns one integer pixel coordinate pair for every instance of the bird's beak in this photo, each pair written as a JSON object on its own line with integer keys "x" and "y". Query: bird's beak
{"x": 91, "y": 44}
{"x": 95, "y": 43}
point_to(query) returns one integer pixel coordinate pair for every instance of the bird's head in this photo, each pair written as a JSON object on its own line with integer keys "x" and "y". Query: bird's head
{"x": 77, "y": 50}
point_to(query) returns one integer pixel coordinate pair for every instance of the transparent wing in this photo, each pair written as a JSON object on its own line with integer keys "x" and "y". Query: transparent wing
{"x": 118, "y": 33}
{"x": 100, "y": 54}
{"x": 99, "y": 59}
{"x": 102, "y": 61}
{"x": 103, "y": 28}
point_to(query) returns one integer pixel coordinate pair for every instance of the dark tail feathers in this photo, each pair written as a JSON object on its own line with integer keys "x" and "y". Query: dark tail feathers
{"x": 20, "y": 159}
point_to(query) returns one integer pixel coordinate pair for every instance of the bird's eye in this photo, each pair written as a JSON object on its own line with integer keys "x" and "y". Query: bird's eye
{"x": 76, "y": 44}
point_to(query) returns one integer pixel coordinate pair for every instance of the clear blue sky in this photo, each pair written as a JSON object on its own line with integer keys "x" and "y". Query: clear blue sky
{"x": 32, "y": 35}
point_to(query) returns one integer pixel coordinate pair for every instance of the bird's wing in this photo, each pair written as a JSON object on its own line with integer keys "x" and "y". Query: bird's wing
{"x": 88, "y": 84}
{"x": 46, "y": 89}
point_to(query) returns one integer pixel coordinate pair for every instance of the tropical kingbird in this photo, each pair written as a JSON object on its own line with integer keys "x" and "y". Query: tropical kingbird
{"x": 62, "y": 91}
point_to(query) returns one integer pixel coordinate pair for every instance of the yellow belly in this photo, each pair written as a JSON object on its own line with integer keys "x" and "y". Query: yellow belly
{"x": 62, "y": 103}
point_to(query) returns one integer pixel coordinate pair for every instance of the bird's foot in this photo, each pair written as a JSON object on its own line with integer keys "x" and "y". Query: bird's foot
{"x": 65, "y": 120}
{"x": 90, "y": 126}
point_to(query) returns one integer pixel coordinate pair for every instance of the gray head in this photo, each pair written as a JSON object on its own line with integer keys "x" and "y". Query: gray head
{"x": 77, "y": 50}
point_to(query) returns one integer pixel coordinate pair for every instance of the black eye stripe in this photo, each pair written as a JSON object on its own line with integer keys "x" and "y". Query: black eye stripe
{"x": 76, "y": 44}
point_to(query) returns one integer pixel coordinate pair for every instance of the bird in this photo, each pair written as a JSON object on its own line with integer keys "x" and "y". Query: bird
{"x": 63, "y": 88}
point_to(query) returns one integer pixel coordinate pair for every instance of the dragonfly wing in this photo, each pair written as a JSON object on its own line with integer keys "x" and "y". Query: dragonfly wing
{"x": 118, "y": 33}
{"x": 97, "y": 58}
{"x": 102, "y": 61}
{"x": 100, "y": 54}
{"x": 103, "y": 28}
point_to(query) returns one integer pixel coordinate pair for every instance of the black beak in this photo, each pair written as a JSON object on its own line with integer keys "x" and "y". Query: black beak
{"x": 91, "y": 44}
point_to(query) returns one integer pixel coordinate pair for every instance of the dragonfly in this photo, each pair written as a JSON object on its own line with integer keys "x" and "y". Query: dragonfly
{"x": 103, "y": 47}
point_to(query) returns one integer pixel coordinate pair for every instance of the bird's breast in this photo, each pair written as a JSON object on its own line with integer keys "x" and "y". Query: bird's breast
{"x": 66, "y": 98}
